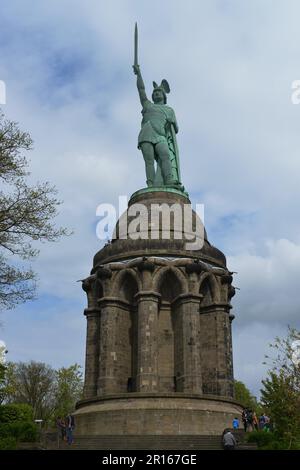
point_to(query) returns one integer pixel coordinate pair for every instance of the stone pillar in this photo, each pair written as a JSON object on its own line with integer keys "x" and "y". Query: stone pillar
{"x": 147, "y": 344}
{"x": 216, "y": 350}
{"x": 231, "y": 392}
{"x": 109, "y": 360}
{"x": 187, "y": 343}
{"x": 92, "y": 352}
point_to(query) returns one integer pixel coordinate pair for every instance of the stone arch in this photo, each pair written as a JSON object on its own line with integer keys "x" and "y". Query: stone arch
{"x": 175, "y": 274}
{"x": 169, "y": 282}
{"x": 126, "y": 284}
{"x": 208, "y": 287}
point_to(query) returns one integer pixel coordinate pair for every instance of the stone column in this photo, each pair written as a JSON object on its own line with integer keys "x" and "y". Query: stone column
{"x": 230, "y": 384}
{"x": 147, "y": 347}
{"x": 109, "y": 377}
{"x": 187, "y": 343}
{"x": 92, "y": 352}
{"x": 216, "y": 351}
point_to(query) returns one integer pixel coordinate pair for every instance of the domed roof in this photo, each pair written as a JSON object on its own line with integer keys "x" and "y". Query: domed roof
{"x": 159, "y": 223}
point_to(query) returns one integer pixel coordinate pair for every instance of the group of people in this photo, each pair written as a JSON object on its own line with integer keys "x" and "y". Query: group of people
{"x": 66, "y": 427}
{"x": 251, "y": 422}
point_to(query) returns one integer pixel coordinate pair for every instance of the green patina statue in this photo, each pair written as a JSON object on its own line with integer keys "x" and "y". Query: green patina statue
{"x": 157, "y": 138}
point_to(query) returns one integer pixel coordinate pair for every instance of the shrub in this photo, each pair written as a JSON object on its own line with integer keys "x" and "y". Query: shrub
{"x": 262, "y": 438}
{"x": 8, "y": 443}
{"x": 16, "y": 412}
{"x": 271, "y": 441}
{"x": 21, "y": 431}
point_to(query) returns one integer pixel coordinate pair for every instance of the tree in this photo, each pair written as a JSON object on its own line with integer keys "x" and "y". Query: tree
{"x": 33, "y": 383}
{"x": 49, "y": 392}
{"x": 281, "y": 389}
{"x": 69, "y": 389}
{"x": 7, "y": 382}
{"x": 26, "y": 216}
{"x": 243, "y": 396}
{"x": 2, "y": 381}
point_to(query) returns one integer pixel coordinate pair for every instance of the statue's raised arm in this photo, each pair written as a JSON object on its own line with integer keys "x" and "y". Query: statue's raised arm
{"x": 140, "y": 84}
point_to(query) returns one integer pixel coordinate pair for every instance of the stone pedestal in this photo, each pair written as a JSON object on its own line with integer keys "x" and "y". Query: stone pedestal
{"x": 159, "y": 352}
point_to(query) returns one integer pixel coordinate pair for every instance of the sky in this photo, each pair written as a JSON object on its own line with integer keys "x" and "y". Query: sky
{"x": 67, "y": 67}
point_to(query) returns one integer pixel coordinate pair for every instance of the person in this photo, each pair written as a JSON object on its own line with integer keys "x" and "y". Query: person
{"x": 245, "y": 418}
{"x": 70, "y": 425}
{"x": 250, "y": 419}
{"x": 262, "y": 421}
{"x": 61, "y": 425}
{"x": 235, "y": 423}
{"x": 157, "y": 139}
{"x": 267, "y": 423}
{"x": 229, "y": 441}
{"x": 255, "y": 421}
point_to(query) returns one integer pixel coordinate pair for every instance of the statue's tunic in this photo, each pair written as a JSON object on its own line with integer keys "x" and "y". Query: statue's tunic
{"x": 156, "y": 118}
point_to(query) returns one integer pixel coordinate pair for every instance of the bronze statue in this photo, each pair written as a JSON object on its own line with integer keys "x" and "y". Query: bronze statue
{"x": 157, "y": 138}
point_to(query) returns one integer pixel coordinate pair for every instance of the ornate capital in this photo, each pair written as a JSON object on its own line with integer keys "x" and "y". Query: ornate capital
{"x": 87, "y": 283}
{"x": 92, "y": 312}
{"x": 146, "y": 265}
{"x": 216, "y": 307}
{"x": 187, "y": 298}
{"x": 103, "y": 273}
{"x": 226, "y": 279}
{"x": 194, "y": 268}
{"x": 147, "y": 295}
{"x": 231, "y": 292}
{"x": 113, "y": 302}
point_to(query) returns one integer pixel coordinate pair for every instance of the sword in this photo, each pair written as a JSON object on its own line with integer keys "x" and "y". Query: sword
{"x": 136, "y": 45}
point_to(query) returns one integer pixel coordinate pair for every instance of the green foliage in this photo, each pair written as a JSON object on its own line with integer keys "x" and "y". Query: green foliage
{"x": 69, "y": 389}
{"x": 34, "y": 383}
{"x": 262, "y": 438}
{"x": 271, "y": 441}
{"x": 281, "y": 391}
{"x": 16, "y": 412}
{"x": 49, "y": 393}
{"x": 2, "y": 372}
{"x": 21, "y": 431}
{"x": 7, "y": 383}
{"x": 8, "y": 443}
{"x": 283, "y": 402}
{"x": 2, "y": 381}
{"x": 16, "y": 424}
{"x": 243, "y": 396}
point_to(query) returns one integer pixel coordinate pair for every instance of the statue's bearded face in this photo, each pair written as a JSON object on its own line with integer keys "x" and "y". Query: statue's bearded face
{"x": 158, "y": 96}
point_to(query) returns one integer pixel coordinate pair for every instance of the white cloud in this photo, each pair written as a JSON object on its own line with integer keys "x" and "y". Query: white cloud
{"x": 269, "y": 284}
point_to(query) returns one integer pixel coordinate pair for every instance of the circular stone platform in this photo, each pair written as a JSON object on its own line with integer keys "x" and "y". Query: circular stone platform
{"x": 167, "y": 414}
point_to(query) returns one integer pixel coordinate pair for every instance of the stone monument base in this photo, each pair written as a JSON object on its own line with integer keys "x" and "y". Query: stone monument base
{"x": 149, "y": 414}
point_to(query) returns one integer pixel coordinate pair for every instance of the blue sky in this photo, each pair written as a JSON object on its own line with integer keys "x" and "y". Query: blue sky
{"x": 67, "y": 66}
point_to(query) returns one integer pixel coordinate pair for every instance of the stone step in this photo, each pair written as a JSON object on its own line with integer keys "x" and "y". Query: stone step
{"x": 146, "y": 442}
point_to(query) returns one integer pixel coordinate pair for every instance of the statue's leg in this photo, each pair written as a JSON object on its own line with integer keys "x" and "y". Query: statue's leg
{"x": 162, "y": 151}
{"x": 158, "y": 181}
{"x": 148, "y": 154}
